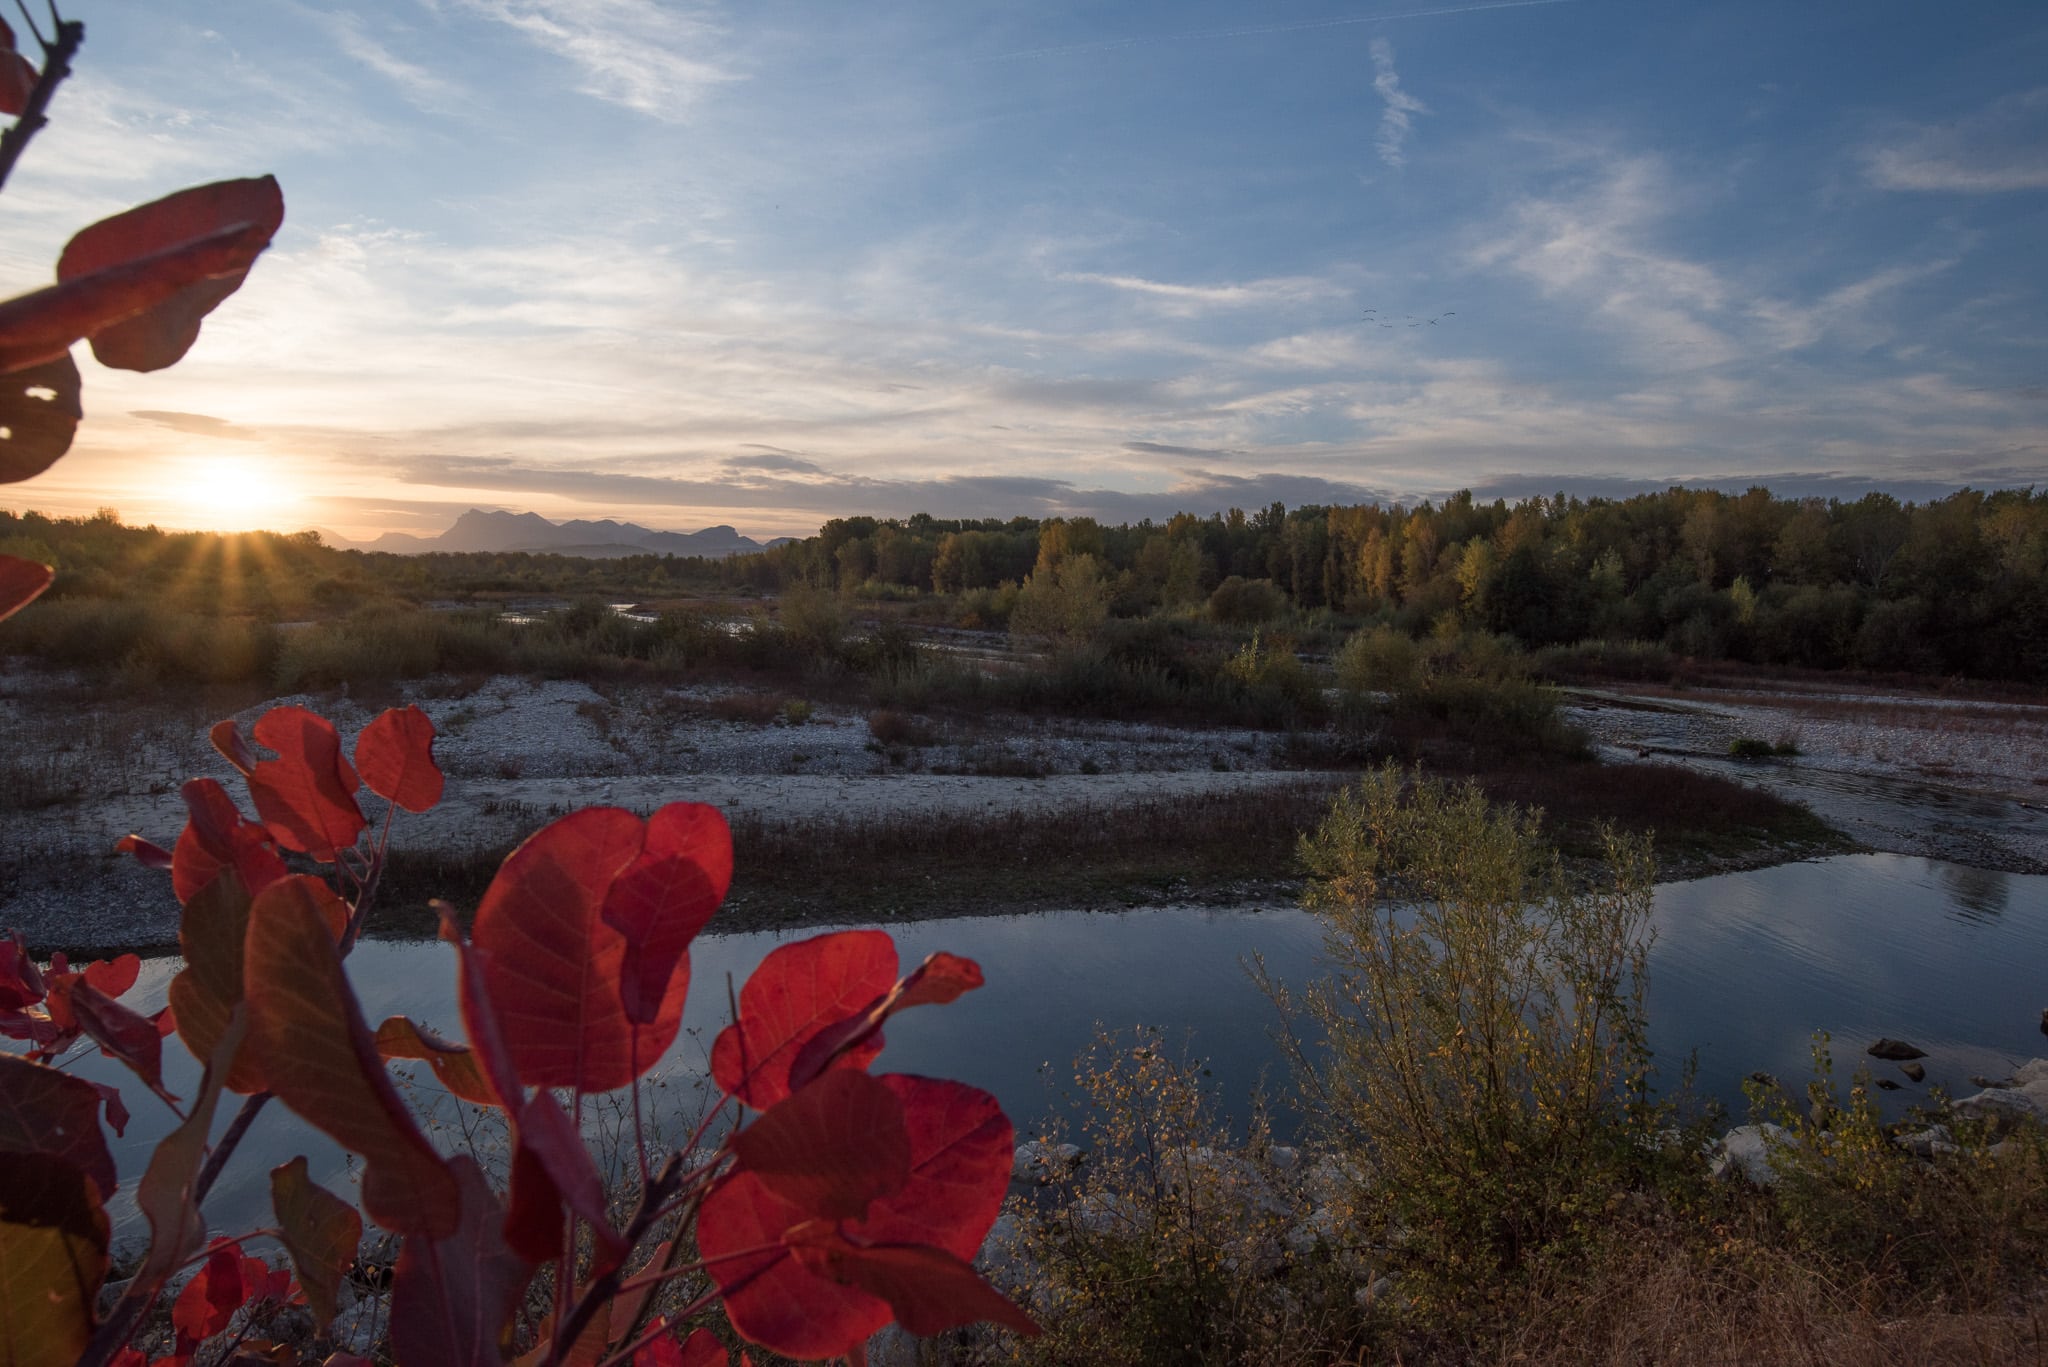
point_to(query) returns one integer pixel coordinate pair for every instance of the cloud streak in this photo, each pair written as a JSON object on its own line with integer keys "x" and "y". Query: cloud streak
{"x": 2001, "y": 149}
{"x": 1396, "y": 119}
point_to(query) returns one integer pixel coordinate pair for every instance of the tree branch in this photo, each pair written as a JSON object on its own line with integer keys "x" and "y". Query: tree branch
{"x": 57, "y": 55}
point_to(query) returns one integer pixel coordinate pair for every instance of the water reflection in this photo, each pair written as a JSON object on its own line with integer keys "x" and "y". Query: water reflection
{"x": 1745, "y": 968}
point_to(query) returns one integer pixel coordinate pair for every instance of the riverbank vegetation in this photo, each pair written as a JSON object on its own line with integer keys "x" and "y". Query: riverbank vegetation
{"x": 1488, "y": 1177}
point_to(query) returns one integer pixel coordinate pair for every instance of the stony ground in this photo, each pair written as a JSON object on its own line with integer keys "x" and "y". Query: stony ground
{"x": 1961, "y": 781}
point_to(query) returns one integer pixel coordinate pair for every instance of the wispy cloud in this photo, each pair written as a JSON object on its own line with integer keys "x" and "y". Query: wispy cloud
{"x": 655, "y": 58}
{"x": 1190, "y": 298}
{"x": 1396, "y": 118}
{"x": 431, "y": 92}
{"x": 2001, "y": 148}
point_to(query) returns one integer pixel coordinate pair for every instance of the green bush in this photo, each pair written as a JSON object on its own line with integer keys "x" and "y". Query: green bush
{"x": 1488, "y": 1067}
{"x": 1247, "y": 602}
{"x": 1381, "y": 660}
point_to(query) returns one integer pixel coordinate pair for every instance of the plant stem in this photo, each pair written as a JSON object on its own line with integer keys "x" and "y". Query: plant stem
{"x": 57, "y": 57}
{"x": 225, "y": 1150}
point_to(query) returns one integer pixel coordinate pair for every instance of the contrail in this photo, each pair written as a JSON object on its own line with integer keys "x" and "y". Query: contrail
{"x": 1111, "y": 44}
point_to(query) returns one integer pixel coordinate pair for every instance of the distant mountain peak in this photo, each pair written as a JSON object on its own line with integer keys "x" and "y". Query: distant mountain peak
{"x": 497, "y": 530}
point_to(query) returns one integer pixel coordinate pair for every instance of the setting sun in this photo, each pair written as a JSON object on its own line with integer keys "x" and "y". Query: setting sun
{"x": 232, "y": 494}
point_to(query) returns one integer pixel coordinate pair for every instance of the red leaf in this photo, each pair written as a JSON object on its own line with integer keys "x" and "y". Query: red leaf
{"x": 395, "y": 755}
{"x": 455, "y": 1065}
{"x": 551, "y": 966}
{"x": 834, "y": 1148}
{"x": 216, "y": 835}
{"x": 799, "y": 991}
{"x": 17, "y": 79}
{"x": 120, "y": 1033}
{"x": 164, "y": 1195}
{"x": 700, "y": 1349}
{"x": 664, "y": 898}
{"x": 147, "y": 853}
{"x": 210, "y": 1299}
{"x": 318, "y": 1057}
{"x": 547, "y": 1137}
{"x": 928, "y": 1289}
{"x": 114, "y": 976}
{"x": 138, "y": 313}
{"x": 204, "y": 994}
{"x": 960, "y": 1155}
{"x": 306, "y": 796}
{"x": 40, "y": 411}
{"x": 53, "y": 1256}
{"x": 21, "y": 982}
{"x": 21, "y": 581}
{"x": 202, "y": 241}
{"x": 45, "y": 1111}
{"x": 451, "y": 1297}
{"x": 227, "y": 738}
{"x": 940, "y": 979}
{"x": 320, "y": 1233}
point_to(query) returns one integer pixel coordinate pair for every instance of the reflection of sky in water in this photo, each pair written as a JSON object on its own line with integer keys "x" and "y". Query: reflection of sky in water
{"x": 1746, "y": 966}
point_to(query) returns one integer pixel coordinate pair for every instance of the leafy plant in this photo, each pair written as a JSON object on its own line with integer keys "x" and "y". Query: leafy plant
{"x": 136, "y": 285}
{"x": 850, "y": 1201}
{"x": 1488, "y": 1064}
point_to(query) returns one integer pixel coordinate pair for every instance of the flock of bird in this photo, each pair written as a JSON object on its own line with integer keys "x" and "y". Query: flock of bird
{"x": 1412, "y": 320}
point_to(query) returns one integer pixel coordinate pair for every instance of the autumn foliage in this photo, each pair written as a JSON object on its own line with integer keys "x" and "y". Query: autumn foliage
{"x": 850, "y": 1201}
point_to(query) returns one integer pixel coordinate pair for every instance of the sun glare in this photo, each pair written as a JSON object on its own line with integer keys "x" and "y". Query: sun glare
{"x": 233, "y": 494}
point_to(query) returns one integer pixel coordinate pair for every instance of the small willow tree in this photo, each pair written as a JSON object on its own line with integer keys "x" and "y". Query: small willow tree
{"x": 1487, "y": 1067}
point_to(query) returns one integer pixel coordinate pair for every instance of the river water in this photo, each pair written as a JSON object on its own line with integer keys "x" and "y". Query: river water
{"x": 1744, "y": 969}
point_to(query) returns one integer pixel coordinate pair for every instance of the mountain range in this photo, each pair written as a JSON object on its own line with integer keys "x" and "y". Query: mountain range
{"x": 478, "y": 530}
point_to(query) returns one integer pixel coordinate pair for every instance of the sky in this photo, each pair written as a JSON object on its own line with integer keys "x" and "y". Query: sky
{"x": 773, "y": 262}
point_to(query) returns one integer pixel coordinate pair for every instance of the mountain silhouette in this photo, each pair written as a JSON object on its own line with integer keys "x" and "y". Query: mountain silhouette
{"x": 479, "y": 530}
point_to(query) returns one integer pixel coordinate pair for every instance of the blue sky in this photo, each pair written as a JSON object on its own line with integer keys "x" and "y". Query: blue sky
{"x": 769, "y": 263}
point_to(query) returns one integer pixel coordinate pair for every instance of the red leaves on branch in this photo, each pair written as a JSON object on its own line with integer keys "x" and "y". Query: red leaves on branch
{"x": 553, "y": 967}
{"x": 395, "y": 756}
{"x": 799, "y": 991}
{"x": 455, "y": 1065}
{"x": 306, "y": 796}
{"x": 700, "y": 1349}
{"x": 154, "y": 272}
{"x": 825, "y": 1283}
{"x": 204, "y": 994}
{"x": 318, "y": 1057}
{"x": 21, "y": 581}
{"x": 940, "y": 979}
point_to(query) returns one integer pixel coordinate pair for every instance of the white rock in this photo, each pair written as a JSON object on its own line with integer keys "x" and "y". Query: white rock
{"x": 1931, "y": 1142}
{"x": 1746, "y": 1149}
{"x": 2007, "y": 1105}
{"x": 1283, "y": 1157}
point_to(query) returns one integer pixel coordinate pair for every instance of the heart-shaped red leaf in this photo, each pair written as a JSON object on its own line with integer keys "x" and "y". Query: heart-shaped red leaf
{"x": 700, "y": 1349}
{"x": 120, "y": 1033}
{"x": 227, "y": 738}
{"x": 200, "y": 242}
{"x": 799, "y": 991}
{"x": 21, "y": 581}
{"x": 395, "y": 756}
{"x": 40, "y": 412}
{"x": 210, "y": 1299}
{"x": 114, "y": 976}
{"x": 552, "y": 966}
{"x": 17, "y": 79}
{"x": 664, "y": 898}
{"x": 319, "y": 1058}
{"x": 940, "y": 979}
{"x": 834, "y": 1148}
{"x": 306, "y": 796}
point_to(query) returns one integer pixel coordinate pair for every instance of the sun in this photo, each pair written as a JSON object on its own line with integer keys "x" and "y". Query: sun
{"x": 233, "y": 494}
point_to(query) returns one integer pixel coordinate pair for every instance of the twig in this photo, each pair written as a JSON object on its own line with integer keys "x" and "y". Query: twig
{"x": 225, "y": 1150}
{"x": 57, "y": 55}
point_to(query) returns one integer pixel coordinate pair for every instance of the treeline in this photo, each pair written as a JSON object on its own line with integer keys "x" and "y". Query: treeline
{"x": 1954, "y": 586}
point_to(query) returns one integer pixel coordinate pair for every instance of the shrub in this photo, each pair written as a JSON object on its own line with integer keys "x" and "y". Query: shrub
{"x": 1382, "y": 660}
{"x": 1487, "y": 1062}
{"x": 1749, "y": 747}
{"x": 1247, "y": 602}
